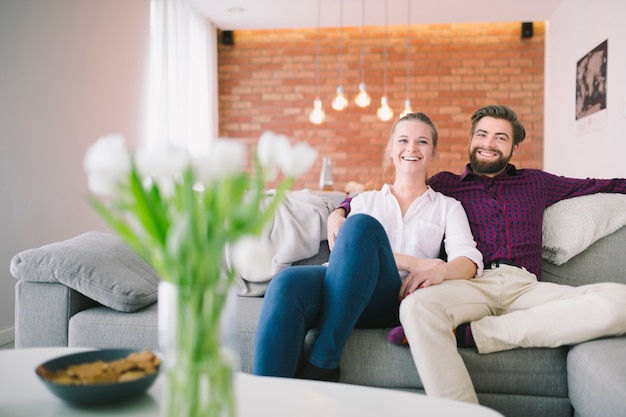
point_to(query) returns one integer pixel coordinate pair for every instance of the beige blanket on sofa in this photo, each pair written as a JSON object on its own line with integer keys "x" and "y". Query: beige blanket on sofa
{"x": 570, "y": 226}
{"x": 295, "y": 233}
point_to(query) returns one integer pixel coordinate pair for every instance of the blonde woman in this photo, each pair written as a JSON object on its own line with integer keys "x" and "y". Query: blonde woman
{"x": 387, "y": 248}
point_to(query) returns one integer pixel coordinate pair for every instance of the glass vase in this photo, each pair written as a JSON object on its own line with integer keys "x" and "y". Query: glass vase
{"x": 197, "y": 338}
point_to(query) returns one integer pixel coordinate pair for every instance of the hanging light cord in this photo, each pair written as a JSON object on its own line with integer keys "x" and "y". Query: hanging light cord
{"x": 340, "y": 42}
{"x": 408, "y": 48}
{"x": 385, "y": 53}
{"x": 317, "y": 60}
{"x": 363, "y": 41}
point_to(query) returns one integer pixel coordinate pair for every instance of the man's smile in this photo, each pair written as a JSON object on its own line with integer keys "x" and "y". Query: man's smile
{"x": 488, "y": 154}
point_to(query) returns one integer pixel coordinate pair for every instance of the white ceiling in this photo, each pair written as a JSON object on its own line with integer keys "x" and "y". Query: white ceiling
{"x": 291, "y": 14}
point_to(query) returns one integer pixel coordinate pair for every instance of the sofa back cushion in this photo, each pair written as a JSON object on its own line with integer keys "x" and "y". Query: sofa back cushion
{"x": 571, "y": 225}
{"x": 319, "y": 258}
{"x": 602, "y": 261}
{"x": 99, "y": 265}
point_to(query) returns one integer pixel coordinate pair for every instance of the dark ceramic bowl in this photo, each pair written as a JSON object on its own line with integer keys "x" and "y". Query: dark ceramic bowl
{"x": 97, "y": 394}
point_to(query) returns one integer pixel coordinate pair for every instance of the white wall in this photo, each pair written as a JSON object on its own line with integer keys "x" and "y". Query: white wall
{"x": 70, "y": 71}
{"x": 575, "y": 28}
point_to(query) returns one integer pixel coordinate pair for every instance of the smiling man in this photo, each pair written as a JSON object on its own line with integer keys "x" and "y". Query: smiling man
{"x": 489, "y": 143}
{"x": 507, "y": 306}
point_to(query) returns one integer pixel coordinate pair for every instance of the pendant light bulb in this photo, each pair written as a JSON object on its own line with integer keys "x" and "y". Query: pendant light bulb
{"x": 362, "y": 99}
{"x": 407, "y": 107}
{"x": 340, "y": 102}
{"x": 317, "y": 115}
{"x": 384, "y": 112}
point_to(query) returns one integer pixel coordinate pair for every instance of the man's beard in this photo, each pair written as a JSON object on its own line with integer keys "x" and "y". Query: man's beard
{"x": 482, "y": 167}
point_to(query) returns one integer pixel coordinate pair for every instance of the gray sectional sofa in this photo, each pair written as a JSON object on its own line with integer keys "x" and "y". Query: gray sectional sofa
{"x": 93, "y": 291}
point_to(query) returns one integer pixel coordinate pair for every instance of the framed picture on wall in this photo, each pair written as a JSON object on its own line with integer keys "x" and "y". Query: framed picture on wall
{"x": 591, "y": 89}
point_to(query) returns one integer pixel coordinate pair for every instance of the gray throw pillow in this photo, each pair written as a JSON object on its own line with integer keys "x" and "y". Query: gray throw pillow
{"x": 98, "y": 265}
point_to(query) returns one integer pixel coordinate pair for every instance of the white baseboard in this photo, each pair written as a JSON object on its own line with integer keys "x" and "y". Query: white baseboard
{"x": 7, "y": 336}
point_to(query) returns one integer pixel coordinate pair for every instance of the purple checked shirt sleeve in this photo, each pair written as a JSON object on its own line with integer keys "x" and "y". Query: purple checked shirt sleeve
{"x": 506, "y": 212}
{"x": 345, "y": 204}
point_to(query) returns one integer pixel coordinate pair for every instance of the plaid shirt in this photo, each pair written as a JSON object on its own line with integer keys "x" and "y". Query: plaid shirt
{"x": 506, "y": 212}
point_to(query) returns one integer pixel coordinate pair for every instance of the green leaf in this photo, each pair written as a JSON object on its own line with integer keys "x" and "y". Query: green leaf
{"x": 148, "y": 208}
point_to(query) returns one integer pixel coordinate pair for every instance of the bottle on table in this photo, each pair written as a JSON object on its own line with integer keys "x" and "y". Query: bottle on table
{"x": 326, "y": 175}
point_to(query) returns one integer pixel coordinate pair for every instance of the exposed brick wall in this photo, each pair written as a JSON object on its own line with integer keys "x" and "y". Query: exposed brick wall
{"x": 267, "y": 82}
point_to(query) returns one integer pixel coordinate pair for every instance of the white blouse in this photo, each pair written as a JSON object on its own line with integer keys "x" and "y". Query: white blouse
{"x": 431, "y": 219}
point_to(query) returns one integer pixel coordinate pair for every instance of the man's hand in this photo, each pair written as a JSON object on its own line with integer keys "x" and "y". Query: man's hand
{"x": 333, "y": 223}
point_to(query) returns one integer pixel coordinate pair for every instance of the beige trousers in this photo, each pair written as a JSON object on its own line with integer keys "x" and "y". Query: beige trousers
{"x": 507, "y": 308}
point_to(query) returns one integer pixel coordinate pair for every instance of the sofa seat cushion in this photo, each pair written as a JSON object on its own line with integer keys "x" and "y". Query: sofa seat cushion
{"x": 531, "y": 371}
{"x": 98, "y": 265}
{"x": 369, "y": 359}
{"x": 597, "y": 377}
{"x": 103, "y": 328}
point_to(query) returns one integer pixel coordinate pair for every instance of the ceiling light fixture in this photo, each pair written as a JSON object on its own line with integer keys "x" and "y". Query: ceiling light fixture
{"x": 317, "y": 115}
{"x": 340, "y": 102}
{"x": 362, "y": 99}
{"x": 407, "y": 100}
{"x": 385, "y": 112}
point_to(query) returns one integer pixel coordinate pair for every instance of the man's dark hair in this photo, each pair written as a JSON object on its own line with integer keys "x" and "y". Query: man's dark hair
{"x": 498, "y": 111}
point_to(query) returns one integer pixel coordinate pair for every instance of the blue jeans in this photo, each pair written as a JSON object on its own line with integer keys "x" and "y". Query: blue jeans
{"x": 359, "y": 288}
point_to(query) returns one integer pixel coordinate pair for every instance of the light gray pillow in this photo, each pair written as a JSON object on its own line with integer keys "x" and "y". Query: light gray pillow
{"x": 571, "y": 226}
{"x": 98, "y": 265}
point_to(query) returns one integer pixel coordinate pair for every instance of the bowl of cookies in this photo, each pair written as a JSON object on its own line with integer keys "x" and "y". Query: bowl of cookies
{"x": 100, "y": 377}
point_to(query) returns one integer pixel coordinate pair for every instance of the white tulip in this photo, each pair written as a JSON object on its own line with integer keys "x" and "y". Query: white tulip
{"x": 252, "y": 258}
{"x": 164, "y": 165}
{"x": 227, "y": 158}
{"x": 298, "y": 160}
{"x": 107, "y": 164}
{"x": 270, "y": 149}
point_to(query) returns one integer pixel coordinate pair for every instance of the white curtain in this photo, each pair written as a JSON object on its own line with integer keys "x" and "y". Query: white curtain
{"x": 182, "y": 92}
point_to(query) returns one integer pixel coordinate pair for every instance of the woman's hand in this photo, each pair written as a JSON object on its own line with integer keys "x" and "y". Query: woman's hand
{"x": 333, "y": 223}
{"x": 422, "y": 273}
{"x": 426, "y": 272}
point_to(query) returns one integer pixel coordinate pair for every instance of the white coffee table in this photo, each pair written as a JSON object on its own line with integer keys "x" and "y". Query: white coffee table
{"x": 22, "y": 394}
